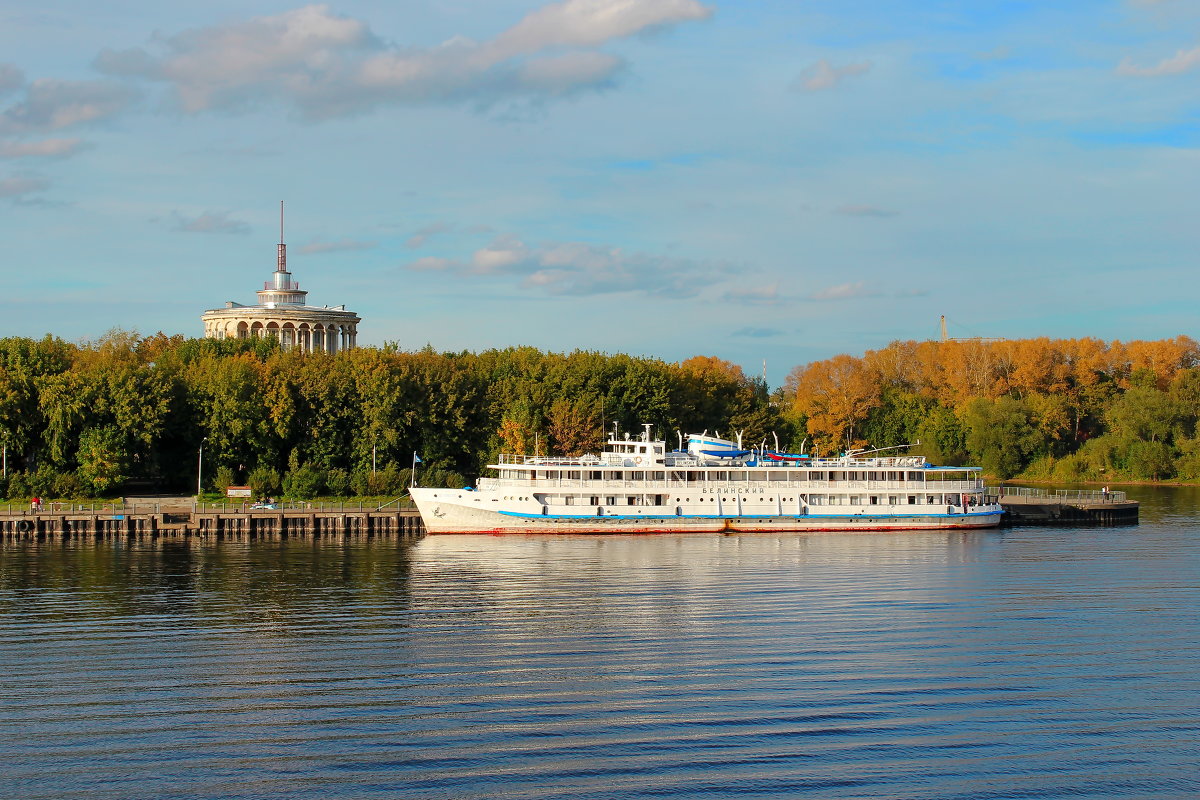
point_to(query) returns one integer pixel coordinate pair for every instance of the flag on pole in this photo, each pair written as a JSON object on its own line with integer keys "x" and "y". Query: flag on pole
{"x": 416, "y": 458}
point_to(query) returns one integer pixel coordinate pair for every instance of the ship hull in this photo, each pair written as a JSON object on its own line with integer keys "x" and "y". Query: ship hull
{"x": 442, "y": 515}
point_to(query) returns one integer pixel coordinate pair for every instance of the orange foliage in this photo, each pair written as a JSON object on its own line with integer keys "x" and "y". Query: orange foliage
{"x": 834, "y": 395}
{"x": 837, "y": 393}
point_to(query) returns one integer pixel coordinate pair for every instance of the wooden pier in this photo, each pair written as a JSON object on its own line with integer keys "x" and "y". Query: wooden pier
{"x": 209, "y": 521}
{"x": 1025, "y": 506}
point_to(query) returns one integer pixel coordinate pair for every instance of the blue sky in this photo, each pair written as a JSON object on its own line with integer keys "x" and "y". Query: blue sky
{"x": 778, "y": 181}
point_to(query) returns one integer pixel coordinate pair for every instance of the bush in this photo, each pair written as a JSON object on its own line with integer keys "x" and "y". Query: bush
{"x": 387, "y": 481}
{"x": 41, "y": 481}
{"x": 438, "y": 477}
{"x": 264, "y": 481}
{"x": 337, "y": 482}
{"x": 18, "y": 485}
{"x": 69, "y": 484}
{"x": 304, "y": 483}
{"x": 224, "y": 479}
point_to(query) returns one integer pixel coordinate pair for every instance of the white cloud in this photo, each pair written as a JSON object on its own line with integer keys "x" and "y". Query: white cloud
{"x": 588, "y": 23}
{"x": 845, "y": 291}
{"x": 18, "y": 187}
{"x": 340, "y": 245}
{"x": 577, "y": 268}
{"x": 51, "y": 105}
{"x": 45, "y": 148}
{"x": 823, "y": 75}
{"x": 1182, "y": 61}
{"x": 327, "y": 65}
{"x": 210, "y": 222}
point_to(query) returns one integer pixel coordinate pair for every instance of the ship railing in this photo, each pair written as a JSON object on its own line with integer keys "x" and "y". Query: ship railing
{"x": 549, "y": 461}
{"x": 916, "y": 487}
{"x": 1085, "y": 495}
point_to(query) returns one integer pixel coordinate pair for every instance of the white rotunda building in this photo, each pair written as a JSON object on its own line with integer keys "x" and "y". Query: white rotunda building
{"x": 283, "y": 311}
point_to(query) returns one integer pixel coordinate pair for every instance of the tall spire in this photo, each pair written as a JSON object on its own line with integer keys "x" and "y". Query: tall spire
{"x": 281, "y": 258}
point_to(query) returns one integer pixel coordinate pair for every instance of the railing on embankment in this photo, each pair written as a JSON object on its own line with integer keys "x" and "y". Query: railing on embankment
{"x": 1066, "y": 506}
{"x": 68, "y": 520}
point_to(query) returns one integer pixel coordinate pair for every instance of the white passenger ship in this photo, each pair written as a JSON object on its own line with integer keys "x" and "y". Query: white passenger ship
{"x": 637, "y": 486}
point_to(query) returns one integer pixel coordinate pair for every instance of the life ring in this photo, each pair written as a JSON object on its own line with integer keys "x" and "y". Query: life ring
{"x": 638, "y": 460}
{"x": 25, "y": 526}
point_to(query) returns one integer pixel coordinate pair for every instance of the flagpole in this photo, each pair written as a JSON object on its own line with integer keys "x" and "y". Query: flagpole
{"x": 412, "y": 476}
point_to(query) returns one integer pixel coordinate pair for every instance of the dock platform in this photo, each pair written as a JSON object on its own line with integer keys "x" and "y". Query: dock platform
{"x": 1031, "y": 506}
{"x": 69, "y": 520}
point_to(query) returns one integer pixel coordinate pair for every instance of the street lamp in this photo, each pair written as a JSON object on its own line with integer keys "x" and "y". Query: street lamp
{"x": 200, "y": 466}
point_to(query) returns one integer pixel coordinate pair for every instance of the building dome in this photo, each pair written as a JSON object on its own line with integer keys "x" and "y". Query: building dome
{"x": 282, "y": 311}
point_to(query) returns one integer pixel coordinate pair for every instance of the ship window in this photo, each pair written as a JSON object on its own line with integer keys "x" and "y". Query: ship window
{"x": 817, "y": 475}
{"x": 777, "y": 475}
{"x": 610, "y": 501}
{"x": 631, "y": 501}
{"x": 931, "y": 500}
{"x": 912, "y": 500}
{"x": 595, "y": 501}
{"x": 915, "y": 476}
{"x": 568, "y": 501}
{"x": 816, "y": 500}
{"x": 658, "y": 476}
{"x": 756, "y": 475}
{"x": 874, "y": 500}
{"x": 855, "y": 500}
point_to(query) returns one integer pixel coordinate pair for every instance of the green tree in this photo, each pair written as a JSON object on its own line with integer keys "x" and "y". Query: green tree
{"x": 103, "y": 458}
{"x": 1001, "y": 435}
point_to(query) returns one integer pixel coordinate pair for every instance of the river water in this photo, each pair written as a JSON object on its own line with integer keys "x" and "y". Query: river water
{"x": 1019, "y": 663}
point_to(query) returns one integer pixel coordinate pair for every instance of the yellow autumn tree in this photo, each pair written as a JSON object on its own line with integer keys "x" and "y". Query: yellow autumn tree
{"x": 834, "y": 395}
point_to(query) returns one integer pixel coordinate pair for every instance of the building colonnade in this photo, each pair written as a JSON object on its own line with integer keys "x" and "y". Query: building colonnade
{"x": 308, "y": 337}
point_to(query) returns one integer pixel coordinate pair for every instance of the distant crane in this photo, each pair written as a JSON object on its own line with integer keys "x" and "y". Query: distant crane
{"x": 946, "y": 337}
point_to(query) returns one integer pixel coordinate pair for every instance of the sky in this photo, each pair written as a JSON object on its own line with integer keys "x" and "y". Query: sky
{"x": 769, "y": 182}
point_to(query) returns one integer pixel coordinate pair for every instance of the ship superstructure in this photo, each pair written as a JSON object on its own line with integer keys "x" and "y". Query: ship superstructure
{"x": 637, "y": 485}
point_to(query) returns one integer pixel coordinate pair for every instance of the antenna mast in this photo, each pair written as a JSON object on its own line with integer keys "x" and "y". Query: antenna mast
{"x": 281, "y": 257}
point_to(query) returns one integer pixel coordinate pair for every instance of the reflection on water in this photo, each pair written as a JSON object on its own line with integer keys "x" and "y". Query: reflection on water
{"x": 1018, "y": 663}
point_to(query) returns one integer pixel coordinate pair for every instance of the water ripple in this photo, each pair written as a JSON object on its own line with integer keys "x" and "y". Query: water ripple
{"x": 1051, "y": 663}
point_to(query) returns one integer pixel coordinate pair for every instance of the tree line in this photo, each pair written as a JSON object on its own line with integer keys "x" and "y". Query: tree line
{"x": 100, "y": 417}
{"x": 1054, "y": 409}
{"x": 95, "y": 418}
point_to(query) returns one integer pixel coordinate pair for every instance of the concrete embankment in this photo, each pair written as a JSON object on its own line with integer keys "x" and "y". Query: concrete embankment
{"x": 1025, "y": 506}
{"x": 72, "y": 521}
